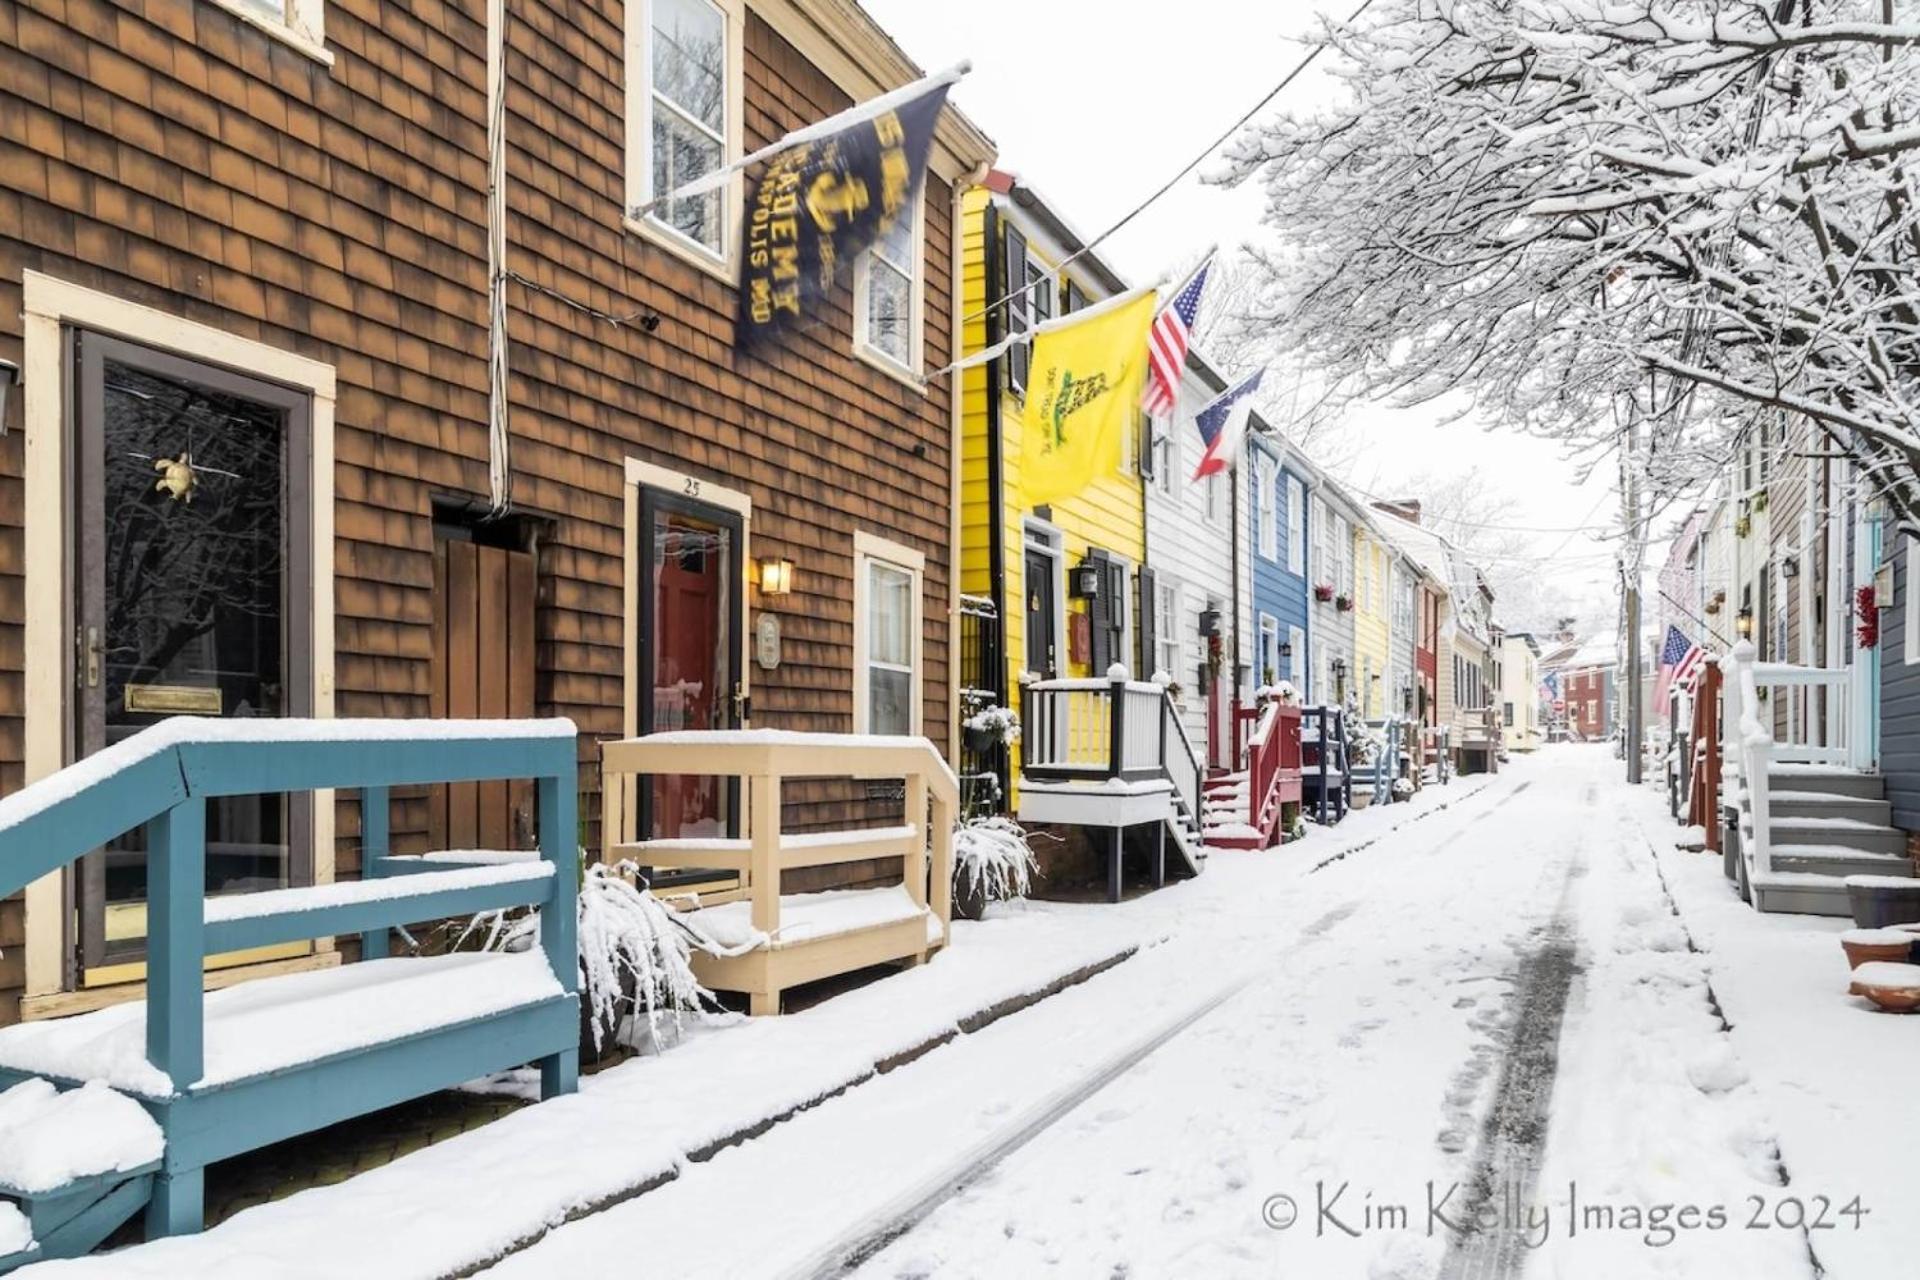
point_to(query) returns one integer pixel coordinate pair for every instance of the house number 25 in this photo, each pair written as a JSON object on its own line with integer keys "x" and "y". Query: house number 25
{"x": 692, "y": 487}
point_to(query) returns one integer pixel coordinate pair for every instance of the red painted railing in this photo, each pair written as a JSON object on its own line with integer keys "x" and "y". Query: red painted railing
{"x": 1273, "y": 762}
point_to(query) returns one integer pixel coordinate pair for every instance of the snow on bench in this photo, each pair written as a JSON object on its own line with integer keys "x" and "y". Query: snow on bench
{"x": 261, "y": 1027}
{"x": 811, "y": 917}
{"x": 49, "y": 1138}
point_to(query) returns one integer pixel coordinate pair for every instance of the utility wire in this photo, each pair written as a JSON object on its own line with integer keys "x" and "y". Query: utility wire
{"x": 1170, "y": 183}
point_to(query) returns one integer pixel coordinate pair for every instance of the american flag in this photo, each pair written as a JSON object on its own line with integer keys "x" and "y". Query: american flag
{"x": 1167, "y": 345}
{"x": 1680, "y": 660}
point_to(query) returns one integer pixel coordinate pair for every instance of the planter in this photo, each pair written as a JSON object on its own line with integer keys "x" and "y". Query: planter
{"x": 1893, "y": 987}
{"x": 1867, "y": 946}
{"x": 969, "y": 898}
{"x": 1360, "y": 799}
{"x": 1881, "y": 901}
{"x": 980, "y": 741}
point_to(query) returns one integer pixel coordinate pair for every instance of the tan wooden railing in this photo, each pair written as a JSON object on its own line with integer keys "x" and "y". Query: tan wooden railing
{"x": 764, "y": 760}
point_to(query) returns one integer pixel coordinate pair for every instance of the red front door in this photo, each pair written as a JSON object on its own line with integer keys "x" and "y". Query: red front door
{"x": 689, "y": 653}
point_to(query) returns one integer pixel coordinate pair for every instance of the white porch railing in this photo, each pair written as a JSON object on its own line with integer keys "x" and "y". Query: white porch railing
{"x": 1784, "y": 714}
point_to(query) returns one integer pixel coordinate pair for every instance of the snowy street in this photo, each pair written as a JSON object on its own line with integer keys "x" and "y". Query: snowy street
{"x": 1485, "y": 1015}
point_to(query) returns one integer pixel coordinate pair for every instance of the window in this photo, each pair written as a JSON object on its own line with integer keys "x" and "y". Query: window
{"x": 1166, "y": 628}
{"x": 1296, "y": 660}
{"x": 1363, "y": 575}
{"x": 1506, "y": 714}
{"x": 1266, "y": 485}
{"x": 683, "y": 68}
{"x": 1343, "y": 555}
{"x": 887, "y": 293}
{"x": 1215, "y": 489}
{"x": 1322, "y": 541}
{"x": 1296, "y": 528}
{"x": 1166, "y": 456}
{"x": 300, "y": 23}
{"x": 1269, "y": 649}
{"x": 886, "y": 636}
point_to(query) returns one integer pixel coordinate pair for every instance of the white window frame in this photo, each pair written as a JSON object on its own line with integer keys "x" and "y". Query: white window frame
{"x": 870, "y": 550}
{"x": 1269, "y": 628}
{"x": 301, "y": 25}
{"x": 1266, "y": 482}
{"x": 723, "y": 262}
{"x": 1296, "y": 527}
{"x": 1912, "y": 612}
{"x": 1214, "y": 494}
{"x": 1038, "y": 535}
{"x": 1297, "y": 660}
{"x": 1168, "y": 615}
{"x": 1343, "y": 556}
{"x": 1322, "y": 540}
{"x": 863, "y": 346}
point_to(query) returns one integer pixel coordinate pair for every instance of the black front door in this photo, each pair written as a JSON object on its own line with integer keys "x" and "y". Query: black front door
{"x": 191, "y": 598}
{"x": 1042, "y": 643}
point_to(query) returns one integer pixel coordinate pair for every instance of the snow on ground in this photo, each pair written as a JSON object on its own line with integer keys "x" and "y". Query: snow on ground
{"x": 1833, "y": 1075}
{"x": 635, "y": 1124}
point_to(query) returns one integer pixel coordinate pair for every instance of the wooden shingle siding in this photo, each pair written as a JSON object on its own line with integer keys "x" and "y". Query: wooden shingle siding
{"x": 170, "y": 154}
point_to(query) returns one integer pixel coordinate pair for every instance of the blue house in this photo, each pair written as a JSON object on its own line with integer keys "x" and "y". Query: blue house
{"x": 1278, "y": 484}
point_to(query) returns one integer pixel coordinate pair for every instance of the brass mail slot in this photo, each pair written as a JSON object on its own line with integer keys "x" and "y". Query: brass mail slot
{"x": 173, "y": 699}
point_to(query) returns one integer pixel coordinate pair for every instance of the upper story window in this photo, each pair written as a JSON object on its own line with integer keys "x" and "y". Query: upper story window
{"x": 887, "y": 293}
{"x": 1266, "y": 484}
{"x": 886, "y": 636}
{"x": 1296, "y": 527}
{"x": 300, "y": 23}
{"x": 683, "y": 69}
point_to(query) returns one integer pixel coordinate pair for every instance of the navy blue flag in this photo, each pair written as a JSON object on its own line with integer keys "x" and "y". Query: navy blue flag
{"x": 822, "y": 202}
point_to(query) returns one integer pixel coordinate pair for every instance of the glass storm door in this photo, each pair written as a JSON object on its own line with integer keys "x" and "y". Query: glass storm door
{"x": 690, "y": 619}
{"x": 191, "y": 577}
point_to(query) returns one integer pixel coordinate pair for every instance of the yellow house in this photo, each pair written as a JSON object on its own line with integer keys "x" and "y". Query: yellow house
{"x": 1035, "y": 563}
{"x": 1372, "y": 622}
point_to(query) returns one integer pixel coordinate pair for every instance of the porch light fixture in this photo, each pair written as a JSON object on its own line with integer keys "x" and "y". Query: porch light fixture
{"x": 1340, "y": 666}
{"x": 1086, "y": 581}
{"x": 9, "y": 379}
{"x": 776, "y": 577}
{"x": 1790, "y": 567}
{"x": 1286, "y": 649}
{"x": 1744, "y": 623}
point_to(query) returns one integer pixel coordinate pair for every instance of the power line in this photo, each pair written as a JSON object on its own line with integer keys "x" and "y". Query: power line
{"x": 1170, "y": 183}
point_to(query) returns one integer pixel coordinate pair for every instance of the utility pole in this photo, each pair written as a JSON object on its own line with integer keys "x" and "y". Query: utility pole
{"x": 1631, "y": 557}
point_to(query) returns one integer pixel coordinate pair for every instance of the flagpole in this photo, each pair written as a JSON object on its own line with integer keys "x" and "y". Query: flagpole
{"x": 855, "y": 114}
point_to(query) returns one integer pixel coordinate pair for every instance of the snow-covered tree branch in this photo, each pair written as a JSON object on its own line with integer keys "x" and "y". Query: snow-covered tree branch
{"x": 1693, "y": 212}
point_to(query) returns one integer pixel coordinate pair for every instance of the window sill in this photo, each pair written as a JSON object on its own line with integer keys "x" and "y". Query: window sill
{"x": 721, "y": 269}
{"x": 294, "y": 39}
{"x": 886, "y": 364}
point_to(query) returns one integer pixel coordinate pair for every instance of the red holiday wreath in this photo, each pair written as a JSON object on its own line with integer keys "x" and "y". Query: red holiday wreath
{"x": 1868, "y": 610}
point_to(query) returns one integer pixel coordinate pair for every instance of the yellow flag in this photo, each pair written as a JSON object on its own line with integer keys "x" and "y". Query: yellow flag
{"x": 1083, "y": 391}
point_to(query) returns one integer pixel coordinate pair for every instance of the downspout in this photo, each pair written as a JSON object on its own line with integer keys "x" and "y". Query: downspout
{"x": 995, "y": 269}
{"x": 499, "y": 476}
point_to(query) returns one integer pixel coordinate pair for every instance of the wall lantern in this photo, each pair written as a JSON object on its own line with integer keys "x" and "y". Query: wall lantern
{"x": 1084, "y": 582}
{"x": 1744, "y": 623}
{"x": 1790, "y": 567}
{"x": 9, "y": 379}
{"x": 1209, "y": 622}
{"x": 1286, "y": 649}
{"x": 776, "y": 577}
{"x": 1340, "y": 667}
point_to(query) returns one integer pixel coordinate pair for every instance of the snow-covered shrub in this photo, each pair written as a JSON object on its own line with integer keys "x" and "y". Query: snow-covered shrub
{"x": 1363, "y": 744}
{"x": 636, "y": 953}
{"x": 1402, "y": 788}
{"x": 992, "y": 860}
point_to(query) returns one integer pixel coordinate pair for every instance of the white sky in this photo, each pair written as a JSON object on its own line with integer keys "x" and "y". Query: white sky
{"x": 1098, "y": 102}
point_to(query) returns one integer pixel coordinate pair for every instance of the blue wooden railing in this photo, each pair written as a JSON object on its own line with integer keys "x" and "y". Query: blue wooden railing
{"x": 162, "y": 779}
{"x": 1324, "y": 777}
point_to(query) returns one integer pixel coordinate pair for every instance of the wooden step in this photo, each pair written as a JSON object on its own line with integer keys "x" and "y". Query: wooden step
{"x": 1836, "y": 834}
{"x": 1821, "y": 804}
{"x": 1827, "y": 779}
{"x": 1802, "y": 893}
{"x": 1826, "y": 860}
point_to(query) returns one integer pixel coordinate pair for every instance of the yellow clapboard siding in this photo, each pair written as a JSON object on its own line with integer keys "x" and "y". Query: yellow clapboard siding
{"x": 1371, "y": 630}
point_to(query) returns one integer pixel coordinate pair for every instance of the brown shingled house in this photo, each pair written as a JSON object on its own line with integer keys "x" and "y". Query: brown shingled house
{"x": 261, "y": 463}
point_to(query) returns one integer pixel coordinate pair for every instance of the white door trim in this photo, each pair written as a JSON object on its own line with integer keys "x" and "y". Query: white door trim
{"x": 51, "y": 304}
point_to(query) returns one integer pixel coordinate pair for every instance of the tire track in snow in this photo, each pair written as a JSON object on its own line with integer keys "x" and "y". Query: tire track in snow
{"x": 1514, "y": 1130}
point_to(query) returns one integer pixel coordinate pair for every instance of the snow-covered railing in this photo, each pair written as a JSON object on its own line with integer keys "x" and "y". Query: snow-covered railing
{"x": 1810, "y": 708}
{"x": 161, "y": 779}
{"x": 1086, "y": 729}
{"x": 858, "y": 928}
{"x": 1273, "y": 763}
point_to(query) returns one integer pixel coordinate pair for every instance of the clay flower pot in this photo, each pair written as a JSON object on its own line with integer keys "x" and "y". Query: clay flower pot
{"x": 1866, "y": 946}
{"x": 1893, "y": 987}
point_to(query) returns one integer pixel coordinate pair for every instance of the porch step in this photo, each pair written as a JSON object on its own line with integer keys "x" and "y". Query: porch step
{"x": 1826, "y": 860}
{"x": 1826, "y": 779}
{"x": 1821, "y": 804}
{"x": 74, "y": 1165}
{"x": 1836, "y": 834}
{"x": 1802, "y": 893}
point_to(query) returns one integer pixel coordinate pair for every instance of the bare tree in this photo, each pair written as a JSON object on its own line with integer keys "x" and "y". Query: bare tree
{"x": 1683, "y": 213}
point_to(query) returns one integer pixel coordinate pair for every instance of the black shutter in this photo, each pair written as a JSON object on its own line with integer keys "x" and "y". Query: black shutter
{"x": 1099, "y": 615}
{"x": 1019, "y": 308}
{"x": 1149, "y": 620}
